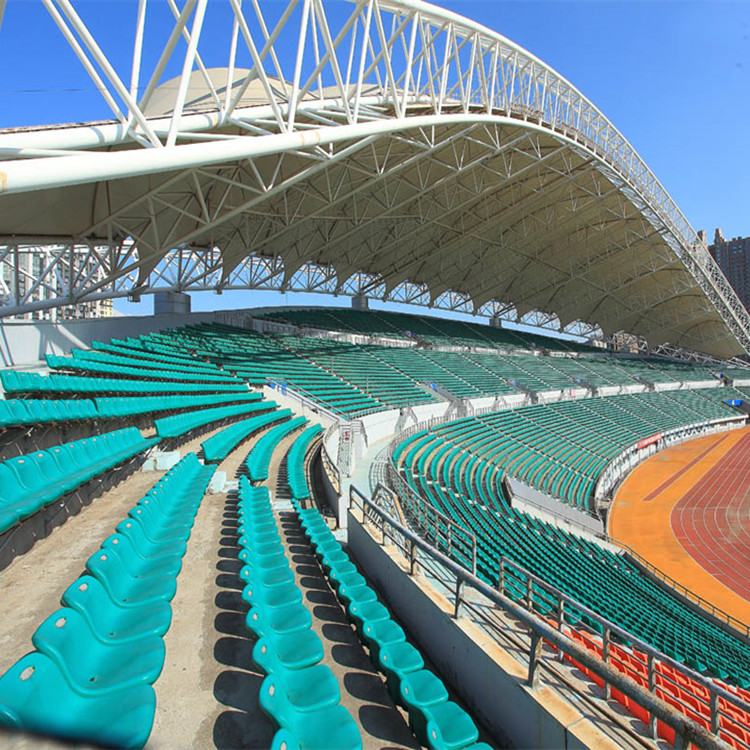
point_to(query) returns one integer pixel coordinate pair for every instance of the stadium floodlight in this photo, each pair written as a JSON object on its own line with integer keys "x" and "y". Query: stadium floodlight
{"x": 398, "y": 151}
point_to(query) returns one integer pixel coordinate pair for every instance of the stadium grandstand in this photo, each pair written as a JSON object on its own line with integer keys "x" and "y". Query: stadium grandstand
{"x": 516, "y": 519}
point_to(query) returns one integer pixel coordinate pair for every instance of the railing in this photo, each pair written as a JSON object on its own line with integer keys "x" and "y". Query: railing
{"x": 521, "y": 595}
{"x": 444, "y": 533}
{"x": 329, "y": 465}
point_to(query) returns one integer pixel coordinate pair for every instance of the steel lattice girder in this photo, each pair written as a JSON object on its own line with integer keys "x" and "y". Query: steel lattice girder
{"x": 408, "y": 153}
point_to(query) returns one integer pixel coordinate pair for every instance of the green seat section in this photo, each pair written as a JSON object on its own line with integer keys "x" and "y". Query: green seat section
{"x": 32, "y": 411}
{"x": 295, "y": 463}
{"x": 470, "y": 494}
{"x": 179, "y": 424}
{"x": 97, "y": 657}
{"x": 259, "y": 457}
{"x": 124, "y": 406}
{"x": 218, "y": 446}
{"x": 35, "y": 696}
{"x": 32, "y": 481}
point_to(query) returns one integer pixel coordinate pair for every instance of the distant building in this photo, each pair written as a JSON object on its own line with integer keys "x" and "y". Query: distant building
{"x": 733, "y": 257}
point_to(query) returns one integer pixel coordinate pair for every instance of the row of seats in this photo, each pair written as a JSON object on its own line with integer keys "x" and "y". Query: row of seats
{"x": 90, "y": 678}
{"x": 436, "y": 721}
{"x": 180, "y": 424}
{"x": 219, "y": 446}
{"x": 295, "y": 465}
{"x": 136, "y": 370}
{"x": 30, "y": 482}
{"x": 299, "y": 693}
{"x": 20, "y": 412}
{"x": 259, "y": 458}
{"x": 33, "y": 382}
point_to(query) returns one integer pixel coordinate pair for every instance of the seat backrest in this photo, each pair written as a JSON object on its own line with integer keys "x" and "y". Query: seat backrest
{"x": 25, "y": 471}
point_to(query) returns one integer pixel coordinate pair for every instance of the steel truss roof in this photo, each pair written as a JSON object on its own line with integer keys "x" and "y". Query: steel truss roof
{"x": 407, "y": 153}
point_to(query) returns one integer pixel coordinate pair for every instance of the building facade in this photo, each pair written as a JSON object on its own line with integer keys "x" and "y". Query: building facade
{"x": 733, "y": 257}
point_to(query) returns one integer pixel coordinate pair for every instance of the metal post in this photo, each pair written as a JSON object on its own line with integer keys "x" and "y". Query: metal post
{"x": 714, "y": 704}
{"x": 460, "y": 583}
{"x": 412, "y": 558}
{"x": 605, "y": 659}
{"x": 501, "y": 576}
{"x": 560, "y": 623}
{"x": 651, "y": 689}
{"x": 535, "y": 653}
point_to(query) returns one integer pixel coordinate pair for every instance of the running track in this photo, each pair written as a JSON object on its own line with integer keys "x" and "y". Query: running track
{"x": 712, "y": 520}
{"x": 687, "y": 511}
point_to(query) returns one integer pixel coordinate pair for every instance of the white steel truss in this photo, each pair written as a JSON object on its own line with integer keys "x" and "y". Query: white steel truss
{"x": 398, "y": 151}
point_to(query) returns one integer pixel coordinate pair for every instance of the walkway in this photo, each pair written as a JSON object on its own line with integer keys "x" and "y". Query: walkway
{"x": 687, "y": 511}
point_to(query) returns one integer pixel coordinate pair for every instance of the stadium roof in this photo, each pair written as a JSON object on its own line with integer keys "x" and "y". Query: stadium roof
{"x": 408, "y": 154}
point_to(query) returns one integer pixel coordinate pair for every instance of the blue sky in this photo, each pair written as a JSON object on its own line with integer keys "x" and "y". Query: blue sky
{"x": 673, "y": 76}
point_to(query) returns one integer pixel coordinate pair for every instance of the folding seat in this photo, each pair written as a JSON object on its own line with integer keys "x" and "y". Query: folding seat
{"x": 314, "y": 730}
{"x": 15, "y": 411}
{"x": 292, "y": 618}
{"x": 280, "y": 652}
{"x": 35, "y": 696}
{"x": 145, "y": 546}
{"x": 419, "y": 690}
{"x": 397, "y": 660}
{"x": 141, "y": 566}
{"x": 125, "y": 590}
{"x": 151, "y": 526}
{"x": 110, "y": 622}
{"x": 264, "y": 557}
{"x": 449, "y": 727}
{"x": 379, "y": 634}
{"x": 271, "y": 597}
{"x": 94, "y": 666}
{"x": 355, "y": 592}
{"x": 267, "y": 576}
{"x": 26, "y": 474}
{"x": 305, "y": 690}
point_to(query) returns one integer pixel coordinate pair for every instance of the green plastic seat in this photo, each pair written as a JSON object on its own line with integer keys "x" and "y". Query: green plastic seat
{"x": 109, "y": 622}
{"x": 304, "y": 690}
{"x": 139, "y": 566}
{"x": 279, "y": 652}
{"x": 271, "y": 597}
{"x": 36, "y": 697}
{"x": 420, "y": 690}
{"x": 292, "y": 618}
{"x": 125, "y": 590}
{"x": 323, "y": 729}
{"x": 449, "y": 727}
{"x": 267, "y": 576}
{"x": 381, "y": 633}
{"x": 357, "y": 592}
{"x": 367, "y": 612}
{"x": 147, "y": 547}
{"x": 91, "y": 665}
{"x": 397, "y": 660}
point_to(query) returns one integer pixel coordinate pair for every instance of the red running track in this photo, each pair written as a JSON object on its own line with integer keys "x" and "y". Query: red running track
{"x": 712, "y": 520}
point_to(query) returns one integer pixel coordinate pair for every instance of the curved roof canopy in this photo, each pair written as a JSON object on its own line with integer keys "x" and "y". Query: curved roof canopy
{"x": 404, "y": 153}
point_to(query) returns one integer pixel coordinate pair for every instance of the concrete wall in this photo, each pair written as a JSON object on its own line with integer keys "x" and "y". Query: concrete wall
{"x": 489, "y": 681}
{"x": 26, "y": 342}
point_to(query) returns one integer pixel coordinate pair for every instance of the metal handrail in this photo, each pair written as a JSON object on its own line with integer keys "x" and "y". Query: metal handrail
{"x": 408, "y": 542}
